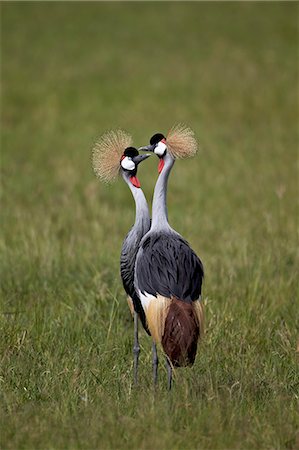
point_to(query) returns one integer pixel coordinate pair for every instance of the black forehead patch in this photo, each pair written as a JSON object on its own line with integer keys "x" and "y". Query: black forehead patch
{"x": 131, "y": 151}
{"x": 157, "y": 138}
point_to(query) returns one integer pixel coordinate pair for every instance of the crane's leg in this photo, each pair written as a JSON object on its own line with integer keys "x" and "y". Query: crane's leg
{"x": 136, "y": 348}
{"x": 169, "y": 373}
{"x": 155, "y": 364}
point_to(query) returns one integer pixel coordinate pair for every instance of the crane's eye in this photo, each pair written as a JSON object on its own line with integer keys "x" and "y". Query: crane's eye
{"x": 127, "y": 163}
{"x": 160, "y": 148}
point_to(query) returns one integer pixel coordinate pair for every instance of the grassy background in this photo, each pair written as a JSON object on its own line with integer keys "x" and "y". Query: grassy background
{"x": 71, "y": 71}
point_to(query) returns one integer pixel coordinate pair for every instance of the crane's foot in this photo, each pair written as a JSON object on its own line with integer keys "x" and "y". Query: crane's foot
{"x": 169, "y": 373}
{"x": 155, "y": 364}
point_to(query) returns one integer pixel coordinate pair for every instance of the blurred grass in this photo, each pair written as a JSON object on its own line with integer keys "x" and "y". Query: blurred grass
{"x": 71, "y": 71}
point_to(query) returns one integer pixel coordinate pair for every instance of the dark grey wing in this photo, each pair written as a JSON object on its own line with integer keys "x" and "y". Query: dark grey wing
{"x": 167, "y": 266}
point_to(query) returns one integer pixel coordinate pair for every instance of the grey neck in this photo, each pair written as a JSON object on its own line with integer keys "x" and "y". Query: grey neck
{"x": 159, "y": 209}
{"x": 142, "y": 217}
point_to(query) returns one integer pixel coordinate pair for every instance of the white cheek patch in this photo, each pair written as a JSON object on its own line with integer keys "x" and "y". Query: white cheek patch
{"x": 127, "y": 164}
{"x": 160, "y": 149}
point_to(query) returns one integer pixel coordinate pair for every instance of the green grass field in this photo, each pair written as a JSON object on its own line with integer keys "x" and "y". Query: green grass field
{"x": 73, "y": 70}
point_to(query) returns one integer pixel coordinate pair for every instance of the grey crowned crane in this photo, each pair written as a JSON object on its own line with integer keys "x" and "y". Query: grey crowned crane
{"x": 168, "y": 274}
{"x": 114, "y": 155}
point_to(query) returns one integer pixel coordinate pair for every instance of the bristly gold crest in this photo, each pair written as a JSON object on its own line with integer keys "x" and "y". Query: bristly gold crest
{"x": 181, "y": 142}
{"x": 107, "y": 152}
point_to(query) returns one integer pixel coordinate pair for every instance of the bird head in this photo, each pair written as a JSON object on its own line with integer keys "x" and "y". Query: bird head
{"x": 159, "y": 147}
{"x": 180, "y": 143}
{"x": 113, "y": 155}
{"x": 129, "y": 162}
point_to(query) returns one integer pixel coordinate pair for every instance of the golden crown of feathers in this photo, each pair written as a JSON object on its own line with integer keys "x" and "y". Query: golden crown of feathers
{"x": 181, "y": 142}
{"x": 107, "y": 151}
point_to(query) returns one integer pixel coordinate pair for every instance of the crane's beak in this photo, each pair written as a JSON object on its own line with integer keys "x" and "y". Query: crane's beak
{"x": 147, "y": 148}
{"x": 139, "y": 158}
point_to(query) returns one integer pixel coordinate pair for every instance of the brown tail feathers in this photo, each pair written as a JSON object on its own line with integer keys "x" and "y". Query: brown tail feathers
{"x": 182, "y": 328}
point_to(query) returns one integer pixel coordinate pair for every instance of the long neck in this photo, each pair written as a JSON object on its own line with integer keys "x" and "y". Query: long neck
{"x": 142, "y": 217}
{"x": 159, "y": 209}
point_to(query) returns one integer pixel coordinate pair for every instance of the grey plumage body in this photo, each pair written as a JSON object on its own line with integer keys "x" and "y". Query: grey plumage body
{"x": 113, "y": 155}
{"x": 130, "y": 248}
{"x": 168, "y": 269}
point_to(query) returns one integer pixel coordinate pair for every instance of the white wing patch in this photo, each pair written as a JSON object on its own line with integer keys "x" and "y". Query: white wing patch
{"x": 146, "y": 299}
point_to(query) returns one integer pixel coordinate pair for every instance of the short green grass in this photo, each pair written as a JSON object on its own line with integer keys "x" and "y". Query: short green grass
{"x": 71, "y": 71}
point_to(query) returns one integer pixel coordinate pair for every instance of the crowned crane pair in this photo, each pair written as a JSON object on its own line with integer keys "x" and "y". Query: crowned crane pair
{"x": 161, "y": 274}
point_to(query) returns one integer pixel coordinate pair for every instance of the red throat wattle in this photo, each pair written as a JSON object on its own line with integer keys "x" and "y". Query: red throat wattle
{"x": 161, "y": 165}
{"x": 135, "y": 182}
